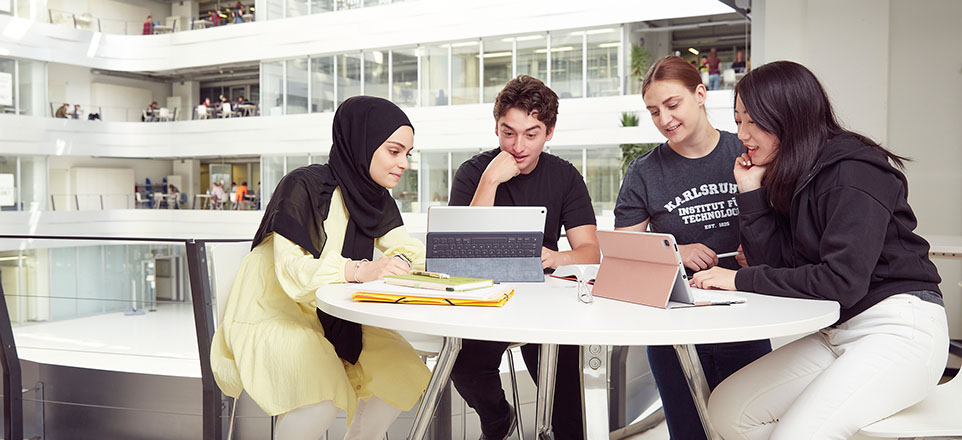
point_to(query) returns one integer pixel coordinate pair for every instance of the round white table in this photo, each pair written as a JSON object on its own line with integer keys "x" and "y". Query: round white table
{"x": 550, "y": 314}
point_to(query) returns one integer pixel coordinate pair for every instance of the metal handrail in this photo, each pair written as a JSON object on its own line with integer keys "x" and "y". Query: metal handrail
{"x": 201, "y": 300}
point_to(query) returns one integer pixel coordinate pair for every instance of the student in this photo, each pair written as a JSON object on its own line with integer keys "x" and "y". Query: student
{"x": 825, "y": 215}
{"x": 321, "y": 226}
{"x": 520, "y": 173}
{"x": 685, "y": 187}
{"x": 241, "y": 194}
{"x": 148, "y": 26}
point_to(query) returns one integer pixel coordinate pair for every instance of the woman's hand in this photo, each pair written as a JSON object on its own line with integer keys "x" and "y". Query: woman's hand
{"x": 715, "y": 278}
{"x": 376, "y": 270}
{"x": 747, "y": 175}
{"x": 740, "y": 257}
{"x": 697, "y": 256}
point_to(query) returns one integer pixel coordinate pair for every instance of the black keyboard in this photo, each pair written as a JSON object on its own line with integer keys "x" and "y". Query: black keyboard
{"x": 484, "y": 244}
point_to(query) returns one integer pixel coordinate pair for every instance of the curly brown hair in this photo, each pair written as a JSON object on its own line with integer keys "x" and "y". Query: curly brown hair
{"x": 528, "y": 94}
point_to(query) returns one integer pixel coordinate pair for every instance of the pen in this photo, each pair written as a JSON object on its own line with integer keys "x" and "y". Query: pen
{"x": 405, "y": 259}
{"x": 727, "y": 254}
{"x": 431, "y": 274}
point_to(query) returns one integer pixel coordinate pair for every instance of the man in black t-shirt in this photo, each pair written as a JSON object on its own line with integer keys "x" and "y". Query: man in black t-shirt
{"x": 519, "y": 173}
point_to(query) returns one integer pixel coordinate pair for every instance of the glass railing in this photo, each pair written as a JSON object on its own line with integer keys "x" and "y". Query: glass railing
{"x": 108, "y": 319}
{"x": 156, "y": 200}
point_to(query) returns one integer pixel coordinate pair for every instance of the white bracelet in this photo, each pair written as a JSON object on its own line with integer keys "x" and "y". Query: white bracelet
{"x": 356, "y": 266}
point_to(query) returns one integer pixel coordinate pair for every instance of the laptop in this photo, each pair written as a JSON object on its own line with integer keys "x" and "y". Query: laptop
{"x": 502, "y": 243}
{"x": 646, "y": 268}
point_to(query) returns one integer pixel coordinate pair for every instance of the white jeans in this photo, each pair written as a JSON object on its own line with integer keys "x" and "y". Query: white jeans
{"x": 829, "y": 384}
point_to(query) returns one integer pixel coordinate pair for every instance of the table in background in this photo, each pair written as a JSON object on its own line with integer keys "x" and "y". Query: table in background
{"x": 550, "y": 314}
{"x": 204, "y": 201}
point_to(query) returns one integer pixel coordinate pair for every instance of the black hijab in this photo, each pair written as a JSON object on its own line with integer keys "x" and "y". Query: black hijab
{"x": 302, "y": 199}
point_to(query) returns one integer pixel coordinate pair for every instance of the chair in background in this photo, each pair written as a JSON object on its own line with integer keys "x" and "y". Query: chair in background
{"x": 164, "y": 114}
{"x": 202, "y": 112}
{"x": 226, "y": 259}
{"x": 158, "y": 198}
{"x": 225, "y": 111}
{"x": 938, "y": 415}
{"x": 139, "y": 201}
{"x": 728, "y": 77}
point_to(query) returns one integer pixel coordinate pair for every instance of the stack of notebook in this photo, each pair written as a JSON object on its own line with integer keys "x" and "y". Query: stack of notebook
{"x": 420, "y": 289}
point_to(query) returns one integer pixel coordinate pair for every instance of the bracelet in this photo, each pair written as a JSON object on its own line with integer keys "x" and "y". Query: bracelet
{"x": 356, "y": 266}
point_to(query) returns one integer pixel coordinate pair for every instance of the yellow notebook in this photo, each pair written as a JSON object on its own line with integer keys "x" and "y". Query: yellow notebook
{"x": 378, "y": 291}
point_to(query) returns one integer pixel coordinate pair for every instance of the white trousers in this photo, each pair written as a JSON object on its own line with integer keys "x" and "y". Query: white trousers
{"x": 829, "y": 384}
{"x": 309, "y": 422}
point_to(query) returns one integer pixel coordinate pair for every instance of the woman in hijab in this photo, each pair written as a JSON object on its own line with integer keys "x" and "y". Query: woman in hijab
{"x": 321, "y": 226}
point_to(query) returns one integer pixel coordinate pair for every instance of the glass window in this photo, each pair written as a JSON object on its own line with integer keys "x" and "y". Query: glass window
{"x": 33, "y": 183}
{"x": 295, "y": 162}
{"x": 272, "y": 88}
{"x": 434, "y": 177}
{"x": 296, "y": 86}
{"x": 604, "y": 178}
{"x": 8, "y": 173}
{"x": 406, "y": 191}
{"x": 348, "y": 76}
{"x": 33, "y": 86}
{"x": 497, "y": 66}
{"x": 464, "y": 72}
{"x": 532, "y": 58}
{"x": 404, "y": 73}
{"x": 567, "y": 63}
{"x": 434, "y": 75}
{"x": 319, "y": 158}
{"x": 296, "y": 8}
{"x": 322, "y": 84}
{"x": 571, "y": 155}
{"x": 7, "y": 86}
{"x": 375, "y": 73}
{"x": 272, "y": 169}
{"x": 319, "y": 6}
{"x": 603, "y": 48}
{"x": 460, "y": 157}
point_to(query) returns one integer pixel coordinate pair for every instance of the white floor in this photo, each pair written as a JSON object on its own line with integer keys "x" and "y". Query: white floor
{"x": 163, "y": 342}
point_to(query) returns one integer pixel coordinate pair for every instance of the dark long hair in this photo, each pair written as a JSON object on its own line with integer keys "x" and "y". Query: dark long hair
{"x": 787, "y": 100}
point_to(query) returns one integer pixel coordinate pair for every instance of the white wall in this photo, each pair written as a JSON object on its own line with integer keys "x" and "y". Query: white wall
{"x": 119, "y": 98}
{"x": 189, "y": 93}
{"x": 155, "y": 169}
{"x": 112, "y": 12}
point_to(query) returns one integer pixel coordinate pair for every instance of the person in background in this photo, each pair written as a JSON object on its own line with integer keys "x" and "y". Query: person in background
{"x": 233, "y": 187}
{"x": 655, "y": 196}
{"x": 714, "y": 70}
{"x": 238, "y": 13}
{"x": 62, "y": 111}
{"x": 824, "y": 214}
{"x": 218, "y": 196}
{"x": 321, "y": 227}
{"x": 240, "y": 194}
{"x": 76, "y": 111}
{"x": 703, "y": 67}
{"x": 739, "y": 63}
{"x": 150, "y": 113}
{"x": 148, "y": 26}
{"x": 173, "y": 196}
{"x": 258, "y": 196}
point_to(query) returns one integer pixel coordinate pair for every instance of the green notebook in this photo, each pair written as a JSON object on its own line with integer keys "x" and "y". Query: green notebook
{"x": 452, "y": 284}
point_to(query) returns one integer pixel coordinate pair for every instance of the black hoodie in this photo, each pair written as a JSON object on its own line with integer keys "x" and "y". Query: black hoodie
{"x": 849, "y": 236}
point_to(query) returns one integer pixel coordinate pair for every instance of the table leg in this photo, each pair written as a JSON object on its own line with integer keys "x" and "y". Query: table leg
{"x": 439, "y": 381}
{"x": 594, "y": 386}
{"x": 697, "y": 384}
{"x": 547, "y": 367}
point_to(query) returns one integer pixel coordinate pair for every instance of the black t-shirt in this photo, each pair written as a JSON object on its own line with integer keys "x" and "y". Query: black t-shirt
{"x": 692, "y": 199}
{"x": 554, "y": 184}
